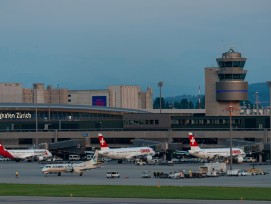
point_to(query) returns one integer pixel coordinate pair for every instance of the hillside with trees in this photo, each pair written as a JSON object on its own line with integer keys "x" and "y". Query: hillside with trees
{"x": 192, "y": 102}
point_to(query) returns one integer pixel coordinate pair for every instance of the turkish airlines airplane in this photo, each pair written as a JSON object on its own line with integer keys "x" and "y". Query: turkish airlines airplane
{"x": 129, "y": 153}
{"x": 215, "y": 153}
{"x": 24, "y": 154}
{"x": 71, "y": 168}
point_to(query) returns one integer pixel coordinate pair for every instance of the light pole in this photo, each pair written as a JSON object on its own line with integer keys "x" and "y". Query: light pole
{"x": 160, "y": 85}
{"x": 230, "y": 108}
{"x": 36, "y": 113}
{"x": 269, "y": 85}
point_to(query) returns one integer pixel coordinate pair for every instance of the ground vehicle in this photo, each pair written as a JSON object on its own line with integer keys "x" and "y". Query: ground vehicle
{"x": 176, "y": 175}
{"x": 140, "y": 162}
{"x": 233, "y": 172}
{"x": 4, "y": 159}
{"x": 255, "y": 171}
{"x": 242, "y": 173}
{"x": 152, "y": 162}
{"x": 74, "y": 157}
{"x": 250, "y": 159}
{"x": 112, "y": 174}
{"x": 54, "y": 158}
{"x": 165, "y": 162}
{"x": 212, "y": 169}
{"x": 146, "y": 174}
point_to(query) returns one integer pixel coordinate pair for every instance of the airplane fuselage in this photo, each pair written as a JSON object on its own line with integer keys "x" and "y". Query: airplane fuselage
{"x": 127, "y": 153}
{"x": 56, "y": 168}
{"x": 24, "y": 154}
{"x": 215, "y": 153}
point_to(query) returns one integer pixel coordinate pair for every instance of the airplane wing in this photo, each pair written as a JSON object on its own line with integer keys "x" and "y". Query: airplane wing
{"x": 81, "y": 169}
{"x": 26, "y": 156}
{"x": 130, "y": 157}
{"x": 136, "y": 156}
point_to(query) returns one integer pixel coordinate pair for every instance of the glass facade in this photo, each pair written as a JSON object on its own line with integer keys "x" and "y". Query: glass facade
{"x": 231, "y": 64}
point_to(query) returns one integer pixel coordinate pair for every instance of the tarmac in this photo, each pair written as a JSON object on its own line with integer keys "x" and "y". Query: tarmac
{"x": 62, "y": 200}
{"x": 130, "y": 174}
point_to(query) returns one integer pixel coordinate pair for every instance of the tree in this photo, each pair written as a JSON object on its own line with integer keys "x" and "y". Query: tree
{"x": 184, "y": 104}
{"x": 190, "y": 105}
{"x": 156, "y": 103}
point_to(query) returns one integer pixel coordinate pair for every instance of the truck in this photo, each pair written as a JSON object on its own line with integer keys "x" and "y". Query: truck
{"x": 213, "y": 169}
{"x": 233, "y": 172}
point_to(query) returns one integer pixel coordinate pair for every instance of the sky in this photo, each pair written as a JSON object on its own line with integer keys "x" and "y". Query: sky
{"x": 93, "y": 44}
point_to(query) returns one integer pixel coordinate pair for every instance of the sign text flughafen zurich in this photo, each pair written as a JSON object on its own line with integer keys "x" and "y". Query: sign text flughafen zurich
{"x": 16, "y": 115}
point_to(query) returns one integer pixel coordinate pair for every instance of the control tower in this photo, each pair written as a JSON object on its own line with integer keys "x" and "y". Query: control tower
{"x": 225, "y": 85}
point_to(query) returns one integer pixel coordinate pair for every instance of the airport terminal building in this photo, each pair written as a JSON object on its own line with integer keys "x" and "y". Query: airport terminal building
{"x": 70, "y": 121}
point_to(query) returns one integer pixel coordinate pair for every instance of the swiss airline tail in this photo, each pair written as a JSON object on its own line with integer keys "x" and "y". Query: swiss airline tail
{"x": 5, "y": 153}
{"x": 1, "y": 148}
{"x": 103, "y": 143}
{"x": 193, "y": 143}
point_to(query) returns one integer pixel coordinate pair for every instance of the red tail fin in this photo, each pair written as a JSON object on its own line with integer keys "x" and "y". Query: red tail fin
{"x": 1, "y": 148}
{"x": 193, "y": 142}
{"x": 5, "y": 153}
{"x": 103, "y": 143}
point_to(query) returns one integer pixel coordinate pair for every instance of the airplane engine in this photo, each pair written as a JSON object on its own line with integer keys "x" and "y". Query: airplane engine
{"x": 40, "y": 158}
{"x": 149, "y": 158}
{"x": 240, "y": 159}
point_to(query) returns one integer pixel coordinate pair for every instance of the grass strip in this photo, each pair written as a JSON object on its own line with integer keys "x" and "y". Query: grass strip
{"x": 155, "y": 192}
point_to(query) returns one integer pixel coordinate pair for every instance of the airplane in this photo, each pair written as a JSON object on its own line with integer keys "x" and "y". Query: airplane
{"x": 25, "y": 154}
{"x": 71, "y": 168}
{"x": 130, "y": 153}
{"x": 215, "y": 153}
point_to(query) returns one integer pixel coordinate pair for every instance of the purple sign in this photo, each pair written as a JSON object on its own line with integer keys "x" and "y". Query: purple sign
{"x": 99, "y": 100}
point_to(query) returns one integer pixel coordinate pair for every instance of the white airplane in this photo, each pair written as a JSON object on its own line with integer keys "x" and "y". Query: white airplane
{"x": 130, "y": 153}
{"x": 25, "y": 154}
{"x": 215, "y": 153}
{"x": 71, "y": 168}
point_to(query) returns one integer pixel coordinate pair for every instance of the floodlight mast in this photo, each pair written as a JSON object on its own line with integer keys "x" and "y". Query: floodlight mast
{"x": 160, "y": 85}
{"x": 269, "y": 85}
{"x": 230, "y": 108}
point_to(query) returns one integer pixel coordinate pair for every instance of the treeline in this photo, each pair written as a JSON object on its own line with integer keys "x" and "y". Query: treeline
{"x": 178, "y": 104}
{"x": 191, "y": 103}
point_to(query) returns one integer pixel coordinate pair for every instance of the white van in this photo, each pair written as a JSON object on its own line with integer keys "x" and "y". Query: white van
{"x": 112, "y": 174}
{"x": 74, "y": 157}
